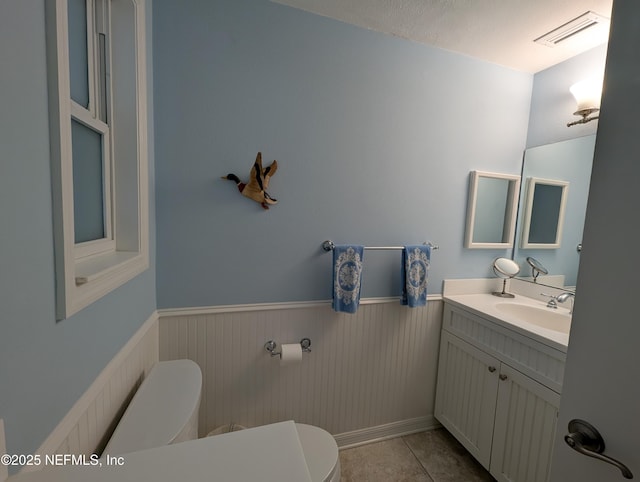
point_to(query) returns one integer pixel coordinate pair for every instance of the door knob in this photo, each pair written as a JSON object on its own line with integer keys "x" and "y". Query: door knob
{"x": 584, "y": 438}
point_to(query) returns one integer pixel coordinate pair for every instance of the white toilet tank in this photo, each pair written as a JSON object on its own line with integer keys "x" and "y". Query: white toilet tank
{"x": 163, "y": 411}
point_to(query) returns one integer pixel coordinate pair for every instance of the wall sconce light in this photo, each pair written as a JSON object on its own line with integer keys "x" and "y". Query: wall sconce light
{"x": 587, "y": 94}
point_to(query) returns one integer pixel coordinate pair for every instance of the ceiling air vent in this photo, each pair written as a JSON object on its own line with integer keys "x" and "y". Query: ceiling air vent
{"x": 578, "y": 25}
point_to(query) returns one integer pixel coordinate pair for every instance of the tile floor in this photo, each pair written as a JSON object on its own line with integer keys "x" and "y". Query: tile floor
{"x": 433, "y": 456}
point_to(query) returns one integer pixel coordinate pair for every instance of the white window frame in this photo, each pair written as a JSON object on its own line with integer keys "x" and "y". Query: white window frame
{"x": 108, "y": 242}
{"x": 85, "y": 272}
{"x": 93, "y": 117}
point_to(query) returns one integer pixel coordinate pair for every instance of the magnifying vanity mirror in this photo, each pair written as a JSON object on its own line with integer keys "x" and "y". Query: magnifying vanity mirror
{"x": 504, "y": 268}
{"x": 568, "y": 161}
{"x": 536, "y": 268}
{"x": 491, "y": 210}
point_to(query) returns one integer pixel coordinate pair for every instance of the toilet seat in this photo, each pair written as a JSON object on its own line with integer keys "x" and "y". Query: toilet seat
{"x": 320, "y": 452}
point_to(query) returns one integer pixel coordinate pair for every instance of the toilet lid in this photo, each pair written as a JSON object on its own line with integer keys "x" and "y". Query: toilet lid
{"x": 160, "y": 408}
{"x": 320, "y": 451}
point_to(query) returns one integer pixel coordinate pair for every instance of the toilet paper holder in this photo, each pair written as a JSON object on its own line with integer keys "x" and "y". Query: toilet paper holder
{"x": 271, "y": 345}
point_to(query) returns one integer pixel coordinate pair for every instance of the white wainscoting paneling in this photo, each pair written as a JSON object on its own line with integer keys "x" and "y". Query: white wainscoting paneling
{"x": 367, "y": 371}
{"x": 88, "y": 425}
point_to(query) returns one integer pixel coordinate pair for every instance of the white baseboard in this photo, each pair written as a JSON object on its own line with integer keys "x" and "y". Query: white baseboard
{"x": 383, "y": 432}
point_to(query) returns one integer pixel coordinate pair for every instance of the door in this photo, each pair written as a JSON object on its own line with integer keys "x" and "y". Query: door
{"x": 602, "y": 377}
{"x": 526, "y": 416}
{"x": 466, "y": 395}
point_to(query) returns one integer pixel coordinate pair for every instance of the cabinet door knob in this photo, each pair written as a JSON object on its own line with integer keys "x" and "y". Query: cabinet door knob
{"x": 492, "y": 369}
{"x": 585, "y": 439}
{"x": 502, "y": 377}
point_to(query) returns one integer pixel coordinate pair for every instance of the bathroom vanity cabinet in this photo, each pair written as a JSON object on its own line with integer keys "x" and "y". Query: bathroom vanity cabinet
{"x": 498, "y": 393}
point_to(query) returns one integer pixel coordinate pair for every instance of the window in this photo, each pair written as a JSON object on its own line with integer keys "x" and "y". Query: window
{"x": 97, "y": 95}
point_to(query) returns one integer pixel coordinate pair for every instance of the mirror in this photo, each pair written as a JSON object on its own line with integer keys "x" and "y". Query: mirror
{"x": 544, "y": 213}
{"x": 504, "y": 268}
{"x": 491, "y": 210}
{"x": 569, "y": 161}
{"x": 536, "y": 268}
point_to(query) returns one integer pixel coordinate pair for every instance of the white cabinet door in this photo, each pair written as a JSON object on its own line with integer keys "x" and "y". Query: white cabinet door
{"x": 466, "y": 395}
{"x": 525, "y": 424}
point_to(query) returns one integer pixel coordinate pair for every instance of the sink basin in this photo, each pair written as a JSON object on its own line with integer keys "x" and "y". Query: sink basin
{"x": 539, "y": 316}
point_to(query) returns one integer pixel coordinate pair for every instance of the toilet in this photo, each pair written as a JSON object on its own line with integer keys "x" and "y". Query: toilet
{"x": 164, "y": 410}
{"x": 321, "y": 453}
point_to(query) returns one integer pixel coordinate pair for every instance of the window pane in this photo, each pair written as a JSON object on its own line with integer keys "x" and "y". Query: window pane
{"x": 88, "y": 183}
{"x": 78, "y": 60}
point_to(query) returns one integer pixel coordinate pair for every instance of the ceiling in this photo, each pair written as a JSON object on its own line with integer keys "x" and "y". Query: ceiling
{"x": 497, "y": 31}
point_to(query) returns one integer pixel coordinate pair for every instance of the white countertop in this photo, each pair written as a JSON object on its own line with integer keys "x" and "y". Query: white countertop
{"x": 485, "y": 305}
{"x": 276, "y": 455}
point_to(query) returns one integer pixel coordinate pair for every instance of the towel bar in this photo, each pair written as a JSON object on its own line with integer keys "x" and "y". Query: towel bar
{"x": 328, "y": 245}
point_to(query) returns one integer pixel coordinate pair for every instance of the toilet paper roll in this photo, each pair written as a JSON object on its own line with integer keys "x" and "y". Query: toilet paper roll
{"x": 291, "y": 354}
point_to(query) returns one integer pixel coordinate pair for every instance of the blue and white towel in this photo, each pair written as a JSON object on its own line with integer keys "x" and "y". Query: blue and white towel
{"x": 347, "y": 275}
{"x": 415, "y": 267}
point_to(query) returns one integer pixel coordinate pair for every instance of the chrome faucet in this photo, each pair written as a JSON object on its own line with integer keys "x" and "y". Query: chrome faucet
{"x": 552, "y": 303}
{"x": 561, "y": 298}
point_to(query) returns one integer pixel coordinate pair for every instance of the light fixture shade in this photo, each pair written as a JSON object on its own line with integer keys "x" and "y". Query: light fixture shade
{"x": 587, "y": 93}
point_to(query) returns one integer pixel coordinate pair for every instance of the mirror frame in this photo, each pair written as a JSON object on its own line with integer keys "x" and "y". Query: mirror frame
{"x": 532, "y": 182}
{"x": 510, "y": 212}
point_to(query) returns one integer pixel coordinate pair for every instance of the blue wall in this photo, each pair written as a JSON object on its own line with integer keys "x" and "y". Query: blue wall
{"x": 552, "y": 105}
{"x": 45, "y": 366}
{"x": 375, "y": 137}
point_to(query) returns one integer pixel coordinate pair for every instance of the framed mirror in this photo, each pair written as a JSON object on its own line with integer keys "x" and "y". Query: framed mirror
{"x": 491, "y": 210}
{"x": 544, "y": 209}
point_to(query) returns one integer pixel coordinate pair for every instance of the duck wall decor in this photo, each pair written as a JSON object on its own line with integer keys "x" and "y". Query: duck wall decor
{"x": 256, "y": 188}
